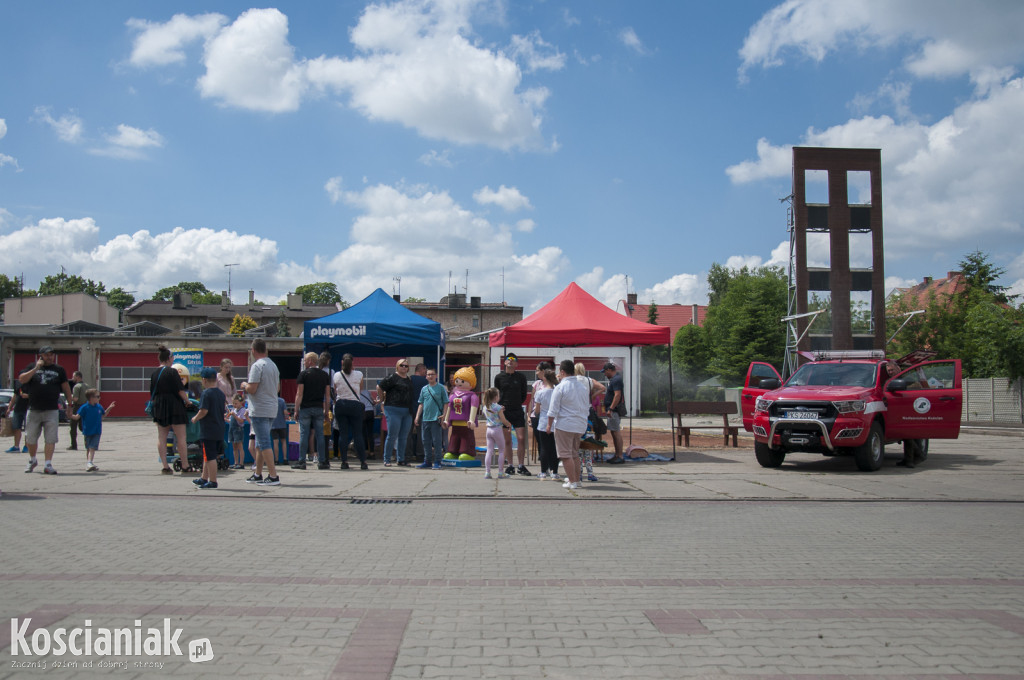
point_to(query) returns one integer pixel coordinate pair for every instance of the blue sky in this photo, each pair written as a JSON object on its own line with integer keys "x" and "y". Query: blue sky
{"x": 532, "y": 143}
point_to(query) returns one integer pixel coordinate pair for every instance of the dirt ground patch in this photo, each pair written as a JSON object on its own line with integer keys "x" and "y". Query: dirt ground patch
{"x": 660, "y": 441}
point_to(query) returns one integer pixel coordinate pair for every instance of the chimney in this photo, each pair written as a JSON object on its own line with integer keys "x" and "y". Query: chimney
{"x": 456, "y": 300}
{"x": 396, "y": 297}
{"x": 927, "y": 280}
{"x": 252, "y": 297}
{"x": 181, "y": 300}
{"x": 474, "y": 302}
{"x": 225, "y": 301}
{"x": 295, "y": 301}
{"x": 950, "y": 275}
{"x": 630, "y": 298}
{"x": 695, "y": 315}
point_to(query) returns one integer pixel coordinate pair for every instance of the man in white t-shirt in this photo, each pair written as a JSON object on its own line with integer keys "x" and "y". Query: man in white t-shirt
{"x": 264, "y": 379}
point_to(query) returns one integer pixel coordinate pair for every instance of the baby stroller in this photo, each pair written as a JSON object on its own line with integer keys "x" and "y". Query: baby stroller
{"x": 192, "y": 435}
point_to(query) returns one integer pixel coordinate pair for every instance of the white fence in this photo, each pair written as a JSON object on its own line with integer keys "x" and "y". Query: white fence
{"x": 993, "y": 400}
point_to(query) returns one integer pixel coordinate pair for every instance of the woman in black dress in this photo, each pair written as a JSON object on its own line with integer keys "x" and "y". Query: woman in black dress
{"x": 169, "y": 399}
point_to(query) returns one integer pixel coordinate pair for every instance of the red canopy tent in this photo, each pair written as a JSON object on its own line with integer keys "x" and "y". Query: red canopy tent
{"x": 575, "y": 318}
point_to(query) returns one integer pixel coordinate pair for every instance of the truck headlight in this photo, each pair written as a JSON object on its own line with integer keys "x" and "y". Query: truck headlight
{"x": 762, "y": 404}
{"x": 850, "y": 406}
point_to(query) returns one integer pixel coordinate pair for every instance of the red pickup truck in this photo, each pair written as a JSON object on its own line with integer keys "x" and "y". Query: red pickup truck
{"x": 851, "y": 403}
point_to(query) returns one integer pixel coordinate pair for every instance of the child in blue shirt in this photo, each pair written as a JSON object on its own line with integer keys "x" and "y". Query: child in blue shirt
{"x": 91, "y": 414}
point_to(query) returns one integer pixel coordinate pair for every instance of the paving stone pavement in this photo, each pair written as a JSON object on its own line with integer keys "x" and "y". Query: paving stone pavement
{"x": 708, "y": 567}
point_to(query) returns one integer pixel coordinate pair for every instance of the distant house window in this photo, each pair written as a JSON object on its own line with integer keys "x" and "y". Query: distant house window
{"x": 476, "y": 322}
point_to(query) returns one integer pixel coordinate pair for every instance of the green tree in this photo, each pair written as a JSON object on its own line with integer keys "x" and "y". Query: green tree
{"x": 9, "y": 288}
{"x": 58, "y": 284}
{"x": 200, "y": 294}
{"x": 690, "y": 354}
{"x": 652, "y": 313}
{"x": 981, "y": 275}
{"x": 282, "y": 325}
{"x": 240, "y": 324}
{"x": 320, "y": 293}
{"x": 743, "y": 324}
{"x": 120, "y": 298}
{"x": 415, "y": 299}
{"x": 975, "y": 324}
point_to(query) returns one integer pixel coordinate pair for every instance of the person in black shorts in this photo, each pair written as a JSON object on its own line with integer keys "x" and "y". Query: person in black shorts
{"x": 210, "y": 417}
{"x": 512, "y": 386}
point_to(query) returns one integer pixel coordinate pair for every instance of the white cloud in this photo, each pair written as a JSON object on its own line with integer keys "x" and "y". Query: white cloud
{"x": 433, "y": 158}
{"x": 894, "y": 282}
{"x": 424, "y": 236}
{"x": 536, "y": 54}
{"x": 4, "y": 158}
{"x": 631, "y": 40}
{"x": 772, "y": 161}
{"x": 251, "y": 65}
{"x": 950, "y": 40}
{"x": 68, "y": 127}
{"x": 333, "y": 187}
{"x": 508, "y": 198}
{"x": 952, "y": 185}
{"x": 416, "y": 65}
{"x": 568, "y": 18}
{"x": 417, "y": 234}
{"x": 162, "y": 44}
{"x": 129, "y": 143}
{"x": 683, "y": 289}
{"x": 525, "y": 226}
{"x": 896, "y": 95}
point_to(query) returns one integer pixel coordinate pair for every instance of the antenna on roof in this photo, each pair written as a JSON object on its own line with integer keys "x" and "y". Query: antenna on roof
{"x": 229, "y": 266}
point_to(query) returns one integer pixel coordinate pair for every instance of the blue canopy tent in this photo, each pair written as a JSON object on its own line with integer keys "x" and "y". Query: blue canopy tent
{"x": 376, "y": 326}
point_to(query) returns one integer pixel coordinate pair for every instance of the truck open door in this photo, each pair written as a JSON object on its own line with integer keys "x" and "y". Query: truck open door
{"x": 756, "y": 373}
{"x": 925, "y": 401}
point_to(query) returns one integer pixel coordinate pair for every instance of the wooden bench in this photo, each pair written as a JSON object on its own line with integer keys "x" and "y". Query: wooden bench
{"x": 699, "y": 408}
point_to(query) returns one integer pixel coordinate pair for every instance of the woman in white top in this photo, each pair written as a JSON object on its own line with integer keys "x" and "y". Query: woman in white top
{"x": 567, "y": 418}
{"x": 348, "y": 411}
{"x": 545, "y": 440}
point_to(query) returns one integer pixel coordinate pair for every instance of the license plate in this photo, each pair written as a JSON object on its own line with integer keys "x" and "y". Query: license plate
{"x": 802, "y": 415}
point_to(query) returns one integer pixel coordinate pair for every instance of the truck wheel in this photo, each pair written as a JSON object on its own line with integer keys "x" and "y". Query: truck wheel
{"x": 767, "y": 457}
{"x": 869, "y": 454}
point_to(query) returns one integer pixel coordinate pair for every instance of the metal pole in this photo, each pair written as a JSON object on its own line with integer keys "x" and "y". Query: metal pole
{"x": 632, "y": 391}
{"x": 671, "y": 396}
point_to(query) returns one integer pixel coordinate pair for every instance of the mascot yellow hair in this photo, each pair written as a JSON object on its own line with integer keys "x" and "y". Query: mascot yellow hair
{"x": 468, "y": 374}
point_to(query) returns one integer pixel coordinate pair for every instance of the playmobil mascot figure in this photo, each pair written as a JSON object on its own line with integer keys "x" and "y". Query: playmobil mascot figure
{"x": 460, "y": 418}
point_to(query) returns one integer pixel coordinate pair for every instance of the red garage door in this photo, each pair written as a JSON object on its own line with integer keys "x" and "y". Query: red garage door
{"x": 24, "y": 360}
{"x": 124, "y": 377}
